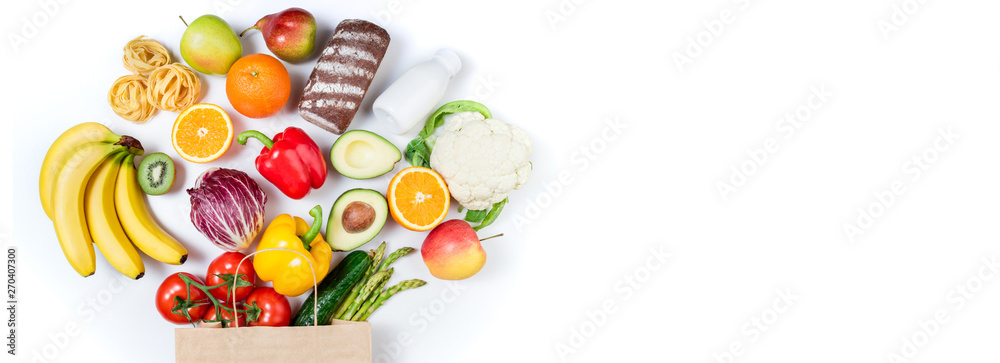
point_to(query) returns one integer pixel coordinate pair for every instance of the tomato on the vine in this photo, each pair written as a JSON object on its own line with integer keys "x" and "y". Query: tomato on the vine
{"x": 224, "y": 265}
{"x": 227, "y": 315}
{"x": 172, "y": 287}
{"x": 274, "y": 307}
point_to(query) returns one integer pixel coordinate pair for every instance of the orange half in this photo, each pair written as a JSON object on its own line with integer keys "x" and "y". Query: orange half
{"x": 418, "y": 198}
{"x": 202, "y": 133}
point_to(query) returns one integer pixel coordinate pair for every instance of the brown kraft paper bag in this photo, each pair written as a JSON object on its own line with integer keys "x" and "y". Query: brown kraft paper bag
{"x": 344, "y": 341}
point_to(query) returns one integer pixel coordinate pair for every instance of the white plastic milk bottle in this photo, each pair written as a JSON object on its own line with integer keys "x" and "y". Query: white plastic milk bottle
{"x": 412, "y": 97}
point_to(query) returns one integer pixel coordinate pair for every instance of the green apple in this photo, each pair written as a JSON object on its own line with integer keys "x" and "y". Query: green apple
{"x": 210, "y": 46}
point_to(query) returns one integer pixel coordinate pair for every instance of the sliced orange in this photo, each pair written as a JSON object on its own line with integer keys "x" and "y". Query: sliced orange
{"x": 202, "y": 133}
{"x": 418, "y": 198}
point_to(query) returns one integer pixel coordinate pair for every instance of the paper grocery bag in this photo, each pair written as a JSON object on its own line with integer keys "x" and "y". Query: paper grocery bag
{"x": 344, "y": 341}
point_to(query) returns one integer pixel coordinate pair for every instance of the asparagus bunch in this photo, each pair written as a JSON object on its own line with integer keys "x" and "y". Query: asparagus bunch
{"x": 370, "y": 293}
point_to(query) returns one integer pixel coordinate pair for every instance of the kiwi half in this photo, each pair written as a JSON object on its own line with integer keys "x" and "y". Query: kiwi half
{"x": 156, "y": 173}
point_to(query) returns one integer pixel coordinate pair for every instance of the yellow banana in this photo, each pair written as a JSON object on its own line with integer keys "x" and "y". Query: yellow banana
{"x": 102, "y": 219}
{"x": 138, "y": 223}
{"x": 68, "y": 214}
{"x": 62, "y": 150}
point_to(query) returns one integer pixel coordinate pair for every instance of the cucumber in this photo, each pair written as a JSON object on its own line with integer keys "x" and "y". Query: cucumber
{"x": 333, "y": 289}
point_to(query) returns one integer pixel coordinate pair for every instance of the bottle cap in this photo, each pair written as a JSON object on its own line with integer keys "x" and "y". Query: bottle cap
{"x": 450, "y": 60}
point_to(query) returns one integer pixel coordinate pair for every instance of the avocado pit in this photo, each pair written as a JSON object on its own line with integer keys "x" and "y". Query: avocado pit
{"x": 358, "y": 217}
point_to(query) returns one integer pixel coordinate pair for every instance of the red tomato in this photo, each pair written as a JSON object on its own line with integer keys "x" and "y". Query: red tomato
{"x": 228, "y": 316}
{"x": 226, "y": 264}
{"x": 173, "y": 286}
{"x": 274, "y": 307}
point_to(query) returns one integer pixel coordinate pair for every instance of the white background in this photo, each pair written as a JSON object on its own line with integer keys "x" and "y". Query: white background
{"x": 561, "y": 71}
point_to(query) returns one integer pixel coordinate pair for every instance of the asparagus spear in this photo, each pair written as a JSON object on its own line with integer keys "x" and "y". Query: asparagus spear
{"x": 376, "y": 260}
{"x": 395, "y": 256}
{"x": 379, "y": 253}
{"x": 366, "y": 291}
{"x": 385, "y": 295}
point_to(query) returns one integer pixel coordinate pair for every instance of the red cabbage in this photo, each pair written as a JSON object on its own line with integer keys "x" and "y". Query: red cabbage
{"x": 227, "y": 206}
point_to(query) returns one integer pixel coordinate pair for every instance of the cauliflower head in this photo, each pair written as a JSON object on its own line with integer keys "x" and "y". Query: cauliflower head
{"x": 482, "y": 160}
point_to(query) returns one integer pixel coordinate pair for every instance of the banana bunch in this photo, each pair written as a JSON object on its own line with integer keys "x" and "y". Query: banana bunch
{"x": 89, "y": 190}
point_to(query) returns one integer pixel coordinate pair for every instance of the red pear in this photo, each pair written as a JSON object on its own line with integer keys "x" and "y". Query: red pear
{"x": 289, "y": 34}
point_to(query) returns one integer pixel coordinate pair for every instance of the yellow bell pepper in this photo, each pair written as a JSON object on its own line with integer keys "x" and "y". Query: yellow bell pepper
{"x": 289, "y": 272}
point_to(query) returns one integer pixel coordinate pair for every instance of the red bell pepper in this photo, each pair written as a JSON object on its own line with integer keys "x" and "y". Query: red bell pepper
{"x": 292, "y": 161}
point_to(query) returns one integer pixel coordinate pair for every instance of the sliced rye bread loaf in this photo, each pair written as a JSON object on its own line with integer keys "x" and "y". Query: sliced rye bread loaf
{"x": 341, "y": 77}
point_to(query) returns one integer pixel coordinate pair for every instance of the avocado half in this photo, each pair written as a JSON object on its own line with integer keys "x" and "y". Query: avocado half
{"x": 360, "y": 154}
{"x": 357, "y": 217}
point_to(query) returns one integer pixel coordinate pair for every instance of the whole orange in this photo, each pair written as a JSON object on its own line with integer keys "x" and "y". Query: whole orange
{"x": 258, "y": 85}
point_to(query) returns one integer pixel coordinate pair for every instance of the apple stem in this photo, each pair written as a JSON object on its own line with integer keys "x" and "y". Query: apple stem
{"x": 499, "y": 235}
{"x": 182, "y": 20}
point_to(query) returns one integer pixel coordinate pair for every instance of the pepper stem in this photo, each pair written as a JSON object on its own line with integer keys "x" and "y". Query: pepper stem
{"x": 310, "y": 235}
{"x": 243, "y": 136}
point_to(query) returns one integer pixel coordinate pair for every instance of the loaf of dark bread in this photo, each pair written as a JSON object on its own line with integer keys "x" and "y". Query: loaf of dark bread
{"x": 342, "y": 75}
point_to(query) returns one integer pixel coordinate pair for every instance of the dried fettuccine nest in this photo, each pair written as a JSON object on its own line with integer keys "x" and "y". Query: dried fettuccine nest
{"x": 173, "y": 87}
{"x": 143, "y": 55}
{"x": 127, "y": 98}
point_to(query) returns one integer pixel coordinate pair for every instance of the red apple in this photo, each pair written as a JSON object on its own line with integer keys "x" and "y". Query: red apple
{"x": 289, "y": 34}
{"x": 452, "y": 251}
